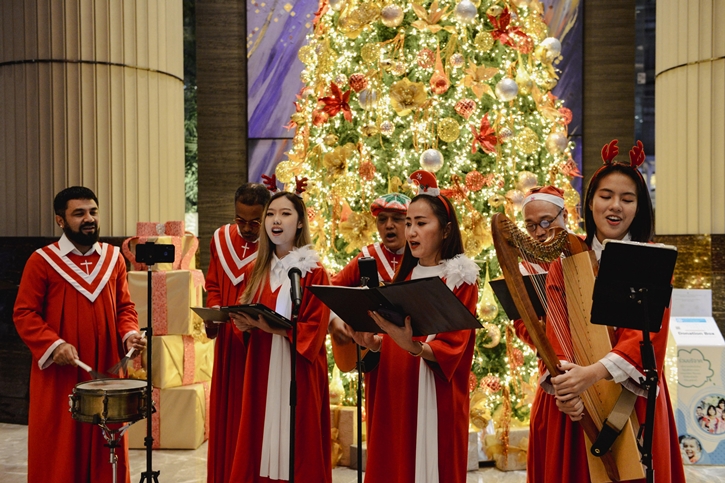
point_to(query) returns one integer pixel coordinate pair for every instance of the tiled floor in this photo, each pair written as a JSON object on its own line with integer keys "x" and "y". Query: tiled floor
{"x": 182, "y": 466}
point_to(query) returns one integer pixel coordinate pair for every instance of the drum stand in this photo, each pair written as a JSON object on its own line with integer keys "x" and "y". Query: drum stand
{"x": 113, "y": 437}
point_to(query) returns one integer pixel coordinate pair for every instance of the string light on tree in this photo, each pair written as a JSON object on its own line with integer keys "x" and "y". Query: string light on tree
{"x": 457, "y": 87}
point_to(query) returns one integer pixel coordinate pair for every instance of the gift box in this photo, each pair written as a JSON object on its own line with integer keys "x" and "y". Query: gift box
{"x": 343, "y": 420}
{"x": 180, "y": 360}
{"x": 180, "y": 422}
{"x": 508, "y": 457}
{"x": 173, "y": 293}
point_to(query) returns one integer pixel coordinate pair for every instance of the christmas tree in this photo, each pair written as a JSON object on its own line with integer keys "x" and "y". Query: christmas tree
{"x": 458, "y": 88}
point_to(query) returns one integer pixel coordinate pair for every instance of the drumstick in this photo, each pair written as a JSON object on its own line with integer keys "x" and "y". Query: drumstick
{"x": 124, "y": 361}
{"x": 87, "y": 368}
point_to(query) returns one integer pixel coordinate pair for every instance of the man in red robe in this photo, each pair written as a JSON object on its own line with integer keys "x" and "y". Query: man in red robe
{"x": 73, "y": 304}
{"x": 233, "y": 247}
{"x": 389, "y": 211}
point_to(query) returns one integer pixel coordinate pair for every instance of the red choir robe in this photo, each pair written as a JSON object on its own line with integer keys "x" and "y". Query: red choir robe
{"x": 395, "y": 414}
{"x": 230, "y": 257}
{"x": 84, "y": 301}
{"x": 312, "y": 428}
{"x": 550, "y": 428}
{"x": 386, "y": 261}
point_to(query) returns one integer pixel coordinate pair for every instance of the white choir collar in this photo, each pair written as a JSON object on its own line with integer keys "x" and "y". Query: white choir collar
{"x": 65, "y": 247}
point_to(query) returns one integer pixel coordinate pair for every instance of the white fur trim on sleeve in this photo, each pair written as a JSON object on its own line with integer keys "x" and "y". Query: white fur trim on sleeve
{"x": 459, "y": 270}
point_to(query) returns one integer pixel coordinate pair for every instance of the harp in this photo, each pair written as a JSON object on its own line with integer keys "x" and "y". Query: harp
{"x": 589, "y": 343}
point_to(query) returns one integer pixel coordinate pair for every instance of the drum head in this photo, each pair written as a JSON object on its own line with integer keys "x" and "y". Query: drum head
{"x": 111, "y": 384}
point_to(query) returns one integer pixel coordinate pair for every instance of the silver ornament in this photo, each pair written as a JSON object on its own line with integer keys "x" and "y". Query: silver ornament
{"x": 431, "y": 160}
{"x": 387, "y": 128}
{"x": 556, "y": 143}
{"x": 368, "y": 99}
{"x": 507, "y": 89}
{"x": 457, "y": 60}
{"x": 505, "y": 134}
{"x": 337, "y": 5}
{"x": 551, "y": 48}
{"x": 391, "y": 15}
{"x": 466, "y": 11}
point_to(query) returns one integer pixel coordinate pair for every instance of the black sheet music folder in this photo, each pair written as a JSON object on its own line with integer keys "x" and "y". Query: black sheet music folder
{"x": 624, "y": 269}
{"x": 507, "y": 302}
{"x": 221, "y": 314}
{"x": 432, "y": 307}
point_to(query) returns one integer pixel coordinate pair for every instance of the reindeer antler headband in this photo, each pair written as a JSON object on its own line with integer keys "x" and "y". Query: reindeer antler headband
{"x": 271, "y": 183}
{"x": 611, "y": 150}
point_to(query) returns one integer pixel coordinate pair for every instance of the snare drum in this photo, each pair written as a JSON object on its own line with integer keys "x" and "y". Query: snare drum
{"x": 108, "y": 401}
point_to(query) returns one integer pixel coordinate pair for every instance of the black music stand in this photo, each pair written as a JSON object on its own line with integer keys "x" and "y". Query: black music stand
{"x": 150, "y": 254}
{"x": 632, "y": 290}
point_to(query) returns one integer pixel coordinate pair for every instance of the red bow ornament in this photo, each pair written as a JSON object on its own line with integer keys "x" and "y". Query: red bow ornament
{"x": 486, "y": 137}
{"x": 337, "y": 102}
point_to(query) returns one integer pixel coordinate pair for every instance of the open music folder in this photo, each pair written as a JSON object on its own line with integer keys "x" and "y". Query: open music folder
{"x": 507, "y": 302}
{"x": 221, "y": 315}
{"x": 432, "y": 307}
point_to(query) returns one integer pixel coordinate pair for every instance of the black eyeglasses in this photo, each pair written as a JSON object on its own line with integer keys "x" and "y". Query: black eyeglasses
{"x": 254, "y": 224}
{"x": 545, "y": 224}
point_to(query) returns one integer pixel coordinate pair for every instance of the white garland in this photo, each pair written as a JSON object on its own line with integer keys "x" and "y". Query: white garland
{"x": 459, "y": 270}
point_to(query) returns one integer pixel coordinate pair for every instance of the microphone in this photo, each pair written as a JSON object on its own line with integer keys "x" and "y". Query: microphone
{"x": 295, "y": 289}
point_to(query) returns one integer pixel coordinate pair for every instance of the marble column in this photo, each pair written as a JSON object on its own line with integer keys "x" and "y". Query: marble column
{"x": 91, "y": 93}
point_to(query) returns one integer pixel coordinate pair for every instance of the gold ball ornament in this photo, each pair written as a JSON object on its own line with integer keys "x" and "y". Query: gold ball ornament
{"x": 448, "y": 129}
{"x": 431, "y": 160}
{"x": 571, "y": 196}
{"x": 426, "y": 58}
{"x": 285, "y": 172}
{"x": 524, "y": 82}
{"x": 490, "y": 384}
{"x": 387, "y": 128}
{"x": 465, "y": 107}
{"x": 370, "y": 52}
{"x": 398, "y": 68}
{"x": 527, "y": 141}
{"x": 556, "y": 143}
{"x": 487, "y": 309}
{"x": 483, "y": 41}
{"x": 457, "y": 60}
{"x": 526, "y": 180}
{"x": 474, "y": 180}
{"x": 507, "y": 89}
{"x": 465, "y": 11}
{"x": 330, "y": 140}
{"x": 392, "y": 15}
{"x": 358, "y": 82}
{"x": 306, "y": 54}
{"x": 492, "y": 336}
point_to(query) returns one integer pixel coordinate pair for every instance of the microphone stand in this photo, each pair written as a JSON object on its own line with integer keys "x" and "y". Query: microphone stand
{"x": 149, "y": 440}
{"x": 293, "y": 387}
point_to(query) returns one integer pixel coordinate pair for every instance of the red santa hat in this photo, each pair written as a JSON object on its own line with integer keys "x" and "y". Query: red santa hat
{"x": 552, "y": 194}
{"x": 426, "y": 182}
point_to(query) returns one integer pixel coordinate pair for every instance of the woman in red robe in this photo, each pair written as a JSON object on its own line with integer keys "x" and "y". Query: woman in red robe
{"x": 418, "y": 416}
{"x": 617, "y": 207}
{"x": 262, "y": 453}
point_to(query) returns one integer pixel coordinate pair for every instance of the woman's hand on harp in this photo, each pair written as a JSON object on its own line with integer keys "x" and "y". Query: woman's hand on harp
{"x": 572, "y": 406}
{"x": 577, "y": 379}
